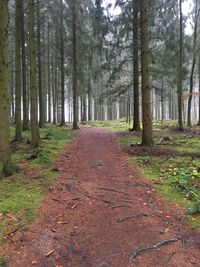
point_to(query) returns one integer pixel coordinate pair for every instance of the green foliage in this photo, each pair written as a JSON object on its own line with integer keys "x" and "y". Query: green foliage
{"x": 183, "y": 179}
{"x": 115, "y": 125}
{"x": 144, "y": 159}
{"x": 195, "y": 209}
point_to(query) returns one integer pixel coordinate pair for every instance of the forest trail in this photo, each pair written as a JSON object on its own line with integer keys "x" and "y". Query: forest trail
{"x": 100, "y": 211}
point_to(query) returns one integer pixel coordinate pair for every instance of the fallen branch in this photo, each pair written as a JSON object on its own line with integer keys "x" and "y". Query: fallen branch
{"x": 139, "y": 251}
{"x": 139, "y": 214}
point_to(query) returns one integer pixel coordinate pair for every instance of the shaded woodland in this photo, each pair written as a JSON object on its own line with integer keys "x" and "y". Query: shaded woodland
{"x": 73, "y": 61}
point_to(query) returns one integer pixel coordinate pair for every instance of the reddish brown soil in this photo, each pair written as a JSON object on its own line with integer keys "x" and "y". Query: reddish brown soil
{"x": 83, "y": 221}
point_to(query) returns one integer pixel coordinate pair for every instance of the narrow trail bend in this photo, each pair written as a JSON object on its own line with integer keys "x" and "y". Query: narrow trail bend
{"x": 102, "y": 213}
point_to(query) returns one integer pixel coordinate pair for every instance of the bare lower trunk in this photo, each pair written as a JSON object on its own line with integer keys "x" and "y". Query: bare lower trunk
{"x": 147, "y": 131}
{"x": 5, "y": 156}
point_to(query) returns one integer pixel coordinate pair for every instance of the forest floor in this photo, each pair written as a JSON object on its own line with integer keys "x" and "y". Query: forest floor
{"x": 102, "y": 212}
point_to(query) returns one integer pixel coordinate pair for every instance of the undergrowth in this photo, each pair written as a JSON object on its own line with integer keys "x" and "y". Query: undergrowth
{"x": 22, "y": 193}
{"x": 176, "y": 173}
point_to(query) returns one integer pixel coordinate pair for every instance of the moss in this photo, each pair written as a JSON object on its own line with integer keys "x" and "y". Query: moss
{"x": 22, "y": 193}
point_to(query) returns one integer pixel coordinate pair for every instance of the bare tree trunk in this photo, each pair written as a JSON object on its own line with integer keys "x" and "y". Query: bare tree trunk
{"x": 136, "y": 105}
{"x": 189, "y": 123}
{"x": 41, "y": 108}
{"x": 24, "y": 85}
{"x": 179, "y": 80}
{"x": 5, "y": 155}
{"x": 49, "y": 82}
{"x": 18, "y": 92}
{"x": 35, "y": 137}
{"x": 74, "y": 59}
{"x": 199, "y": 91}
{"x": 62, "y": 66}
{"x": 147, "y": 132}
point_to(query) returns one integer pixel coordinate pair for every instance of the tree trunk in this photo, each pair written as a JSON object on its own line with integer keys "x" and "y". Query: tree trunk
{"x": 35, "y": 137}
{"x": 5, "y": 156}
{"x": 74, "y": 85}
{"x": 189, "y": 123}
{"x": 41, "y": 108}
{"x": 199, "y": 91}
{"x": 136, "y": 105}
{"x": 147, "y": 132}
{"x": 25, "y": 100}
{"x": 49, "y": 82}
{"x": 18, "y": 93}
{"x": 179, "y": 78}
{"x": 62, "y": 66}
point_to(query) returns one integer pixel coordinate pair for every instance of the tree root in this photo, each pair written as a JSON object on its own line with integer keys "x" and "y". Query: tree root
{"x": 139, "y": 214}
{"x": 114, "y": 190}
{"x": 139, "y": 251}
{"x": 136, "y": 184}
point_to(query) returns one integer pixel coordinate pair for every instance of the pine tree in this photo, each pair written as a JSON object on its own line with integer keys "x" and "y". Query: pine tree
{"x": 35, "y": 138}
{"x": 5, "y": 156}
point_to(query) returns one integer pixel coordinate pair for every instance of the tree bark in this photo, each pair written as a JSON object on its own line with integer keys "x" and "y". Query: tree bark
{"x": 35, "y": 137}
{"x": 189, "y": 122}
{"x": 179, "y": 80}
{"x": 18, "y": 93}
{"x": 24, "y": 84}
{"x": 62, "y": 66}
{"x": 136, "y": 105}
{"x": 41, "y": 108}
{"x": 5, "y": 155}
{"x": 147, "y": 131}
{"x": 74, "y": 59}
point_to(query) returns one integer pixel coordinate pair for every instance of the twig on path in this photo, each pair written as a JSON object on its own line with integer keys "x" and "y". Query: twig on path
{"x": 139, "y": 251}
{"x": 139, "y": 214}
{"x": 49, "y": 253}
{"x": 114, "y": 190}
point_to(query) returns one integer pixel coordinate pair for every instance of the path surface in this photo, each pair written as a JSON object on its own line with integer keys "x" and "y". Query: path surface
{"x": 99, "y": 211}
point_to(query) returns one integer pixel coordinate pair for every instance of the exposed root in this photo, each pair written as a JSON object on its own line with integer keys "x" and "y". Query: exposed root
{"x": 139, "y": 251}
{"x": 139, "y": 214}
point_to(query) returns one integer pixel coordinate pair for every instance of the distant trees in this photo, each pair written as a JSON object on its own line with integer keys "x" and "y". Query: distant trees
{"x": 5, "y": 156}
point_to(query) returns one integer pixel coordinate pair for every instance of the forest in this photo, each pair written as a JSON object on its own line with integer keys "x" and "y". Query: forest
{"x": 79, "y": 61}
{"x": 83, "y": 73}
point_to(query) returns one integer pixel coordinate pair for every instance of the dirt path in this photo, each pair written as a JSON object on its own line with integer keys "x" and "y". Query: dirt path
{"x": 100, "y": 211}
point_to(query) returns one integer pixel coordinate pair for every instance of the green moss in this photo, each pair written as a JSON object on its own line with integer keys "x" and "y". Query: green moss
{"x": 115, "y": 125}
{"x": 22, "y": 194}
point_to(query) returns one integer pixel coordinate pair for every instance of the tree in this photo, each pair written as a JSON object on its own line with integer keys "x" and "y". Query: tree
{"x": 62, "y": 65}
{"x": 40, "y": 87}
{"x": 24, "y": 72}
{"x": 74, "y": 63}
{"x": 196, "y": 16}
{"x": 136, "y": 112}
{"x": 147, "y": 131}
{"x": 18, "y": 91}
{"x": 180, "y": 70}
{"x": 35, "y": 137}
{"x": 5, "y": 156}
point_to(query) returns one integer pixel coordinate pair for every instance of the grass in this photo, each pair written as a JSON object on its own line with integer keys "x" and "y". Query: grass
{"x": 176, "y": 173}
{"x": 115, "y": 125}
{"x": 22, "y": 193}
